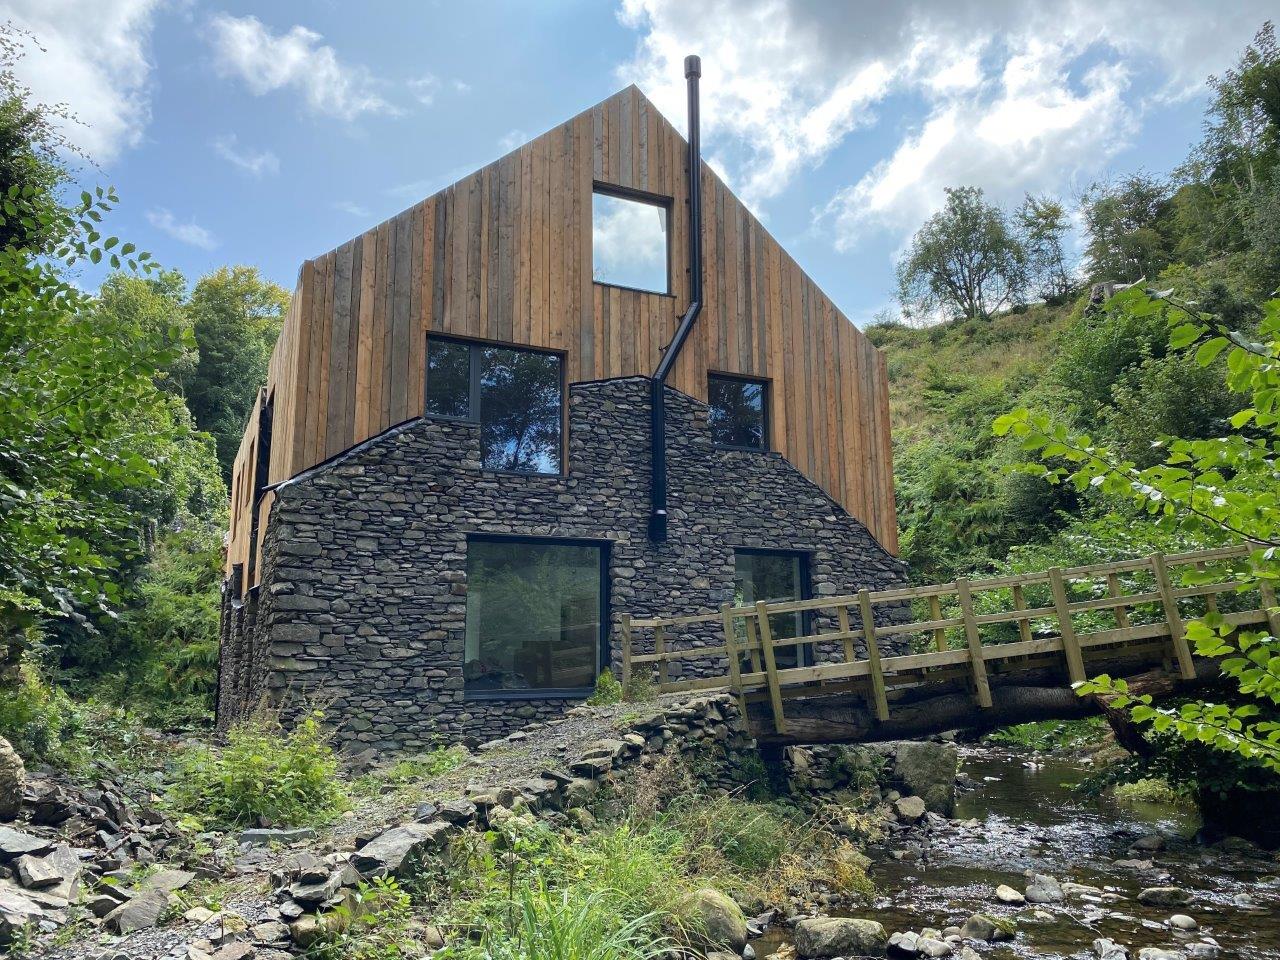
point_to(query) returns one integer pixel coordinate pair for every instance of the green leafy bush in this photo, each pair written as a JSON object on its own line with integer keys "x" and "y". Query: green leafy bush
{"x": 33, "y": 714}
{"x": 265, "y": 774}
{"x": 608, "y": 690}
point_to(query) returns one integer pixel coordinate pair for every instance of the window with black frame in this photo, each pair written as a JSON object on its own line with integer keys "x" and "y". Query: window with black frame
{"x": 516, "y": 395}
{"x": 535, "y": 614}
{"x": 739, "y": 412}
{"x": 629, "y": 240}
{"x": 774, "y": 577}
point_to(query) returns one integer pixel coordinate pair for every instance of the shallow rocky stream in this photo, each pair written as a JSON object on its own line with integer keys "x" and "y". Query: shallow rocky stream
{"x": 1022, "y": 818}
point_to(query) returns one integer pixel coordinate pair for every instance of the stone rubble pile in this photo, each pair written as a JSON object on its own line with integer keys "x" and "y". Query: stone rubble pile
{"x": 70, "y": 844}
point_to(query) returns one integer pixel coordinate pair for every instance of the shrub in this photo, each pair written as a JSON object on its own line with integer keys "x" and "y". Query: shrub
{"x": 608, "y": 690}
{"x": 264, "y": 775}
{"x": 33, "y": 714}
{"x": 750, "y": 836}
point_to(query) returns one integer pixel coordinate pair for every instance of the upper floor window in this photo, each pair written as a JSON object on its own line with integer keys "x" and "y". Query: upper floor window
{"x": 739, "y": 412}
{"x": 629, "y": 244}
{"x": 517, "y": 397}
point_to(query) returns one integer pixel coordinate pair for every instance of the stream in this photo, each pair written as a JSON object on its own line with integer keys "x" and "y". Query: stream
{"x": 1028, "y": 818}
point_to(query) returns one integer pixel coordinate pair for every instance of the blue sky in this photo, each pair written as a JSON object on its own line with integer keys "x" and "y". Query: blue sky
{"x": 269, "y": 133}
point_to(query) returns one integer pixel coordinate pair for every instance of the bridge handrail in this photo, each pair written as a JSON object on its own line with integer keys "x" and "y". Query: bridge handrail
{"x": 746, "y": 635}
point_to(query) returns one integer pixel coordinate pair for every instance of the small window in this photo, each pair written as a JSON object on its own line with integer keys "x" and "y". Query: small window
{"x": 739, "y": 412}
{"x": 629, "y": 242}
{"x": 516, "y": 396}
{"x": 448, "y": 379}
{"x": 535, "y": 615}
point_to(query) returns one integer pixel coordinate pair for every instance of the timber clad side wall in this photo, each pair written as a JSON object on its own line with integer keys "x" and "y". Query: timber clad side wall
{"x": 505, "y": 255}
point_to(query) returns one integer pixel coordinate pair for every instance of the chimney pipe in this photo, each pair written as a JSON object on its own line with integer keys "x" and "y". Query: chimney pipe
{"x": 658, "y": 383}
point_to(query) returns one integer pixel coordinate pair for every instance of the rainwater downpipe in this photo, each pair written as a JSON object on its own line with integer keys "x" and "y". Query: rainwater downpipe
{"x": 658, "y": 383}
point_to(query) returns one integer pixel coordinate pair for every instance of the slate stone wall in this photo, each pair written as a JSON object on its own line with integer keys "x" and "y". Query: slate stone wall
{"x": 362, "y": 607}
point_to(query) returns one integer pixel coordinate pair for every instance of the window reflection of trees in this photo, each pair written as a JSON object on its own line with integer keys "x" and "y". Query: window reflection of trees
{"x": 520, "y": 403}
{"x": 737, "y": 412}
{"x": 533, "y": 616}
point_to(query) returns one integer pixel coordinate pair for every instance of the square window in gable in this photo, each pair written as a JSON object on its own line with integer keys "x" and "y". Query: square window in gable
{"x": 739, "y": 416}
{"x": 629, "y": 241}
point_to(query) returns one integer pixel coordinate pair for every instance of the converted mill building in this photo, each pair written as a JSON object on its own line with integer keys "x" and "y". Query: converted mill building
{"x": 576, "y": 383}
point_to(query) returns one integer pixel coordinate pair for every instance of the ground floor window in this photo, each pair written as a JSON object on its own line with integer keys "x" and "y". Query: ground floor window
{"x": 774, "y": 577}
{"x": 535, "y": 614}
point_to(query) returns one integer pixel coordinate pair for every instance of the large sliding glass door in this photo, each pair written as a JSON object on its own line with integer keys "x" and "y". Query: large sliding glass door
{"x": 774, "y": 576}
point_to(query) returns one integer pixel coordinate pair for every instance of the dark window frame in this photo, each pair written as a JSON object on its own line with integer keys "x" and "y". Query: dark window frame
{"x": 604, "y": 652}
{"x": 806, "y": 586}
{"x": 637, "y": 196}
{"x": 474, "y": 345}
{"x": 766, "y": 384}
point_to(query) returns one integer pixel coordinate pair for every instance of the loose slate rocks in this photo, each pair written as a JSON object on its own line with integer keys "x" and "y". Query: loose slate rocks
{"x": 139, "y": 913}
{"x": 15, "y": 843}
{"x": 391, "y": 851}
{"x": 167, "y": 880}
{"x": 264, "y": 837}
{"x": 16, "y": 912}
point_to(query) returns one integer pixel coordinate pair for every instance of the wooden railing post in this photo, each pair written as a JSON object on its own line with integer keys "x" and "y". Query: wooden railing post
{"x": 939, "y": 633}
{"x": 660, "y": 646}
{"x": 981, "y": 689}
{"x": 1177, "y": 633}
{"x": 1121, "y": 612}
{"x": 731, "y": 652}
{"x": 1020, "y": 603}
{"x": 1267, "y": 594}
{"x": 753, "y": 644}
{"x": 626, "y": 649}
{"x": 1210, "y": 600}
{"x": 842, "y": 617}
{"x": 1067, "y": 629}
{"x": 879, "y": 699}
{"x": 770, "y": 666}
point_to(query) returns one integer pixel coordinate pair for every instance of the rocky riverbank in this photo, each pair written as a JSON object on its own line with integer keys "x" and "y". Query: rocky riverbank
{"x": 1012, "y": 865}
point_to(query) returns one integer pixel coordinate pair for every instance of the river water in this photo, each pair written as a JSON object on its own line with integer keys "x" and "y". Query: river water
{"x": 1030, "y": 819}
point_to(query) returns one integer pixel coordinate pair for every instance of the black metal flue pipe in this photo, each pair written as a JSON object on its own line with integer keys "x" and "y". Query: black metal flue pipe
{"x": 658, "y": 383}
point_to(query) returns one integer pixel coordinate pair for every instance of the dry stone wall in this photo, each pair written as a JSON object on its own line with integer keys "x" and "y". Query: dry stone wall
{"x": 363, "y": 599}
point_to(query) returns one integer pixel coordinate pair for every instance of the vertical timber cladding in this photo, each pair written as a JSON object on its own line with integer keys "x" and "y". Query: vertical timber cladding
{"x": 505, "y": 255}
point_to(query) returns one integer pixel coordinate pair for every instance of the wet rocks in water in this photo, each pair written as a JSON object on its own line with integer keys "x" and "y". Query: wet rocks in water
{"x": 929, "y": 771}
{"x": 1104, "y": 948}
{"x": 1180, "y": 921}
{"x": 926, "y": 943}
{"x": 839, "y": 937}
{"x": 13, "y": 776}
{"x": 909, "y": 809}
{"x": 1044, "y": 889}
{"x": 1159, "y": 953}
{"x": 723, "y": 924}
{"x": 1006, "y": 894}
{"x": 1201, "y": 951}
{"x": 983, "y": 926}
{"x": 1164, "y": 897}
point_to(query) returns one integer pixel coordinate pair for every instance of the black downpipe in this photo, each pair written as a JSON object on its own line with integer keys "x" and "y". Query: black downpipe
{"x": 657, "y": 385}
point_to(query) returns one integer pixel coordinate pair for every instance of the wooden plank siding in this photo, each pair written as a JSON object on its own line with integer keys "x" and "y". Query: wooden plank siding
{"x": 505, "y": 255}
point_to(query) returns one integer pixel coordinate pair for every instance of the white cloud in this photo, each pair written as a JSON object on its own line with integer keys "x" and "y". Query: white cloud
{"x": 96, "y": 60}
{"x": 425, "y": 89}
{"x": 190, "y": 233}
{"x": 351, "y": 207}
{"x": 253, "y": 162}
{"x": 244, "y": 47}
{"x": 1010, "y": 95}
{"x": 512, "y": 139}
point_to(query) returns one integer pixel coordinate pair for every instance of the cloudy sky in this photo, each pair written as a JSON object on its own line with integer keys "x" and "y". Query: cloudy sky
{"x": 269, "y": 133}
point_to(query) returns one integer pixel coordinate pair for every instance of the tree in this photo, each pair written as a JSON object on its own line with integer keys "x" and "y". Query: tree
{"x": 1042, "y": 225}
{"x": 966, "y": 258}
{"x": 74, "y": 388}
{"x": 1224, "y": 487}
{"x": 1125, "y": 222}
{"x": 235, "y": 317}
{"x": 29, "y": 145}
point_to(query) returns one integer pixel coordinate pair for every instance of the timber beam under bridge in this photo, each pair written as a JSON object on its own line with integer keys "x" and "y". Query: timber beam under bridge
{"x": 986, "y": 653}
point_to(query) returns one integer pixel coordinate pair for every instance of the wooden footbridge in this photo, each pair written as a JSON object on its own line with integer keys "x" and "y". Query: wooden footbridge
{"x": 984, "y": 652}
